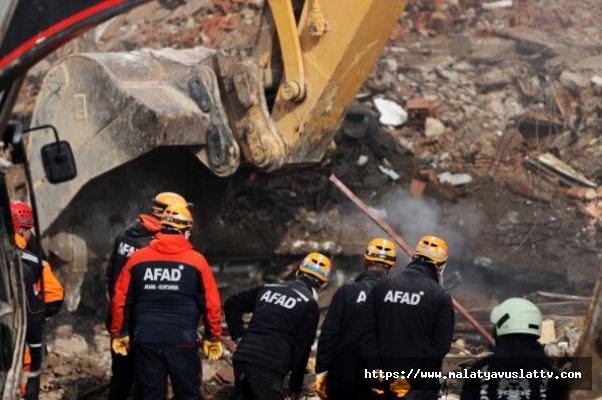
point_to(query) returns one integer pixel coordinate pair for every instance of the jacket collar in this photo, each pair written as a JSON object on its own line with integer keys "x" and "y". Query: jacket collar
{"x": 150, "y": 223}
{"x": 426, "y": 269}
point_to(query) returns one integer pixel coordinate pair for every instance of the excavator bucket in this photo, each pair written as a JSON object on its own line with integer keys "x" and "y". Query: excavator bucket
{"x": 114, "y": 108}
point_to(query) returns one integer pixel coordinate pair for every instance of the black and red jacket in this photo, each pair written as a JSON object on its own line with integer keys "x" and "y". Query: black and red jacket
{"x": 163, "y": 291}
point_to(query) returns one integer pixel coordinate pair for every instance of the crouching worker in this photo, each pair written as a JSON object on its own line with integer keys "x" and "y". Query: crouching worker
{"x": 517, "y": 327}
{"x": 280, "y": 334}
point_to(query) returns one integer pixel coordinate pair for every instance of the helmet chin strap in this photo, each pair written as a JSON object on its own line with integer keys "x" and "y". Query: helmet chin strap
{"x": 440, "y": 269}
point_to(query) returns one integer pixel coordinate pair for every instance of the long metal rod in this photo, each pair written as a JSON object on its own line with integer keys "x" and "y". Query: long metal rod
{"x": 384, "y": 226}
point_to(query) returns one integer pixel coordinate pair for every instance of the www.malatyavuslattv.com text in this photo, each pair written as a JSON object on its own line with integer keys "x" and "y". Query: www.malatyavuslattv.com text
{"x": 466, "y": 374}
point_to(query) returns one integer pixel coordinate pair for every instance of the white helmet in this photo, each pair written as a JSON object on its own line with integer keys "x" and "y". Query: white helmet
{"x": 516, "y": 315}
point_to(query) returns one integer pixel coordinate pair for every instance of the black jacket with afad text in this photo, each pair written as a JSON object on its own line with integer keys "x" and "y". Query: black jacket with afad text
{"x": 338, "y": 347}
{"x": 408, "y": 320}
{"x": 133, "y": 238}
{"x": 517, "y": 370}
{"x": 281, "y": 331}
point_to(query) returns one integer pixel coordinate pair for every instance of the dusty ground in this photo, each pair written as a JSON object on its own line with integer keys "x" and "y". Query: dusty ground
{"x": 505, "y": 86}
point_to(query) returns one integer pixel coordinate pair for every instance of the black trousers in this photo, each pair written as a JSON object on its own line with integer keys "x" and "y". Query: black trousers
{"x": 337, "y": 389}
{"x": 32, "y": 392}
{"x": 254, "y": 383}
{"x": 156, "y": 361}
{"x": 123, "y": 375}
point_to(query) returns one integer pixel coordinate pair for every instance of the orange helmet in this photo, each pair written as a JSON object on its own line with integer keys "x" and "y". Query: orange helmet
{"x": 433, "y": 248}
{"x": 316, "y": 265}
{"x": 177, "y": 216}
{"x": 22, "y": 215}
{"x": 381, "y": 251}
{"x": 165, "y": 199}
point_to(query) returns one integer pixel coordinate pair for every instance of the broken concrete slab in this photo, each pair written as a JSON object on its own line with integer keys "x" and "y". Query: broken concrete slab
{"x": 433, "y": 128}
{"x": 567, "y": 174}
{"x": 461, "y": 46}
{"x": 574, "y": 80}
{"x": 492, "y": 50}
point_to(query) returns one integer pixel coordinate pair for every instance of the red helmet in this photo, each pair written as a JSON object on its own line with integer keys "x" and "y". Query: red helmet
{"x": 22, "y": 215}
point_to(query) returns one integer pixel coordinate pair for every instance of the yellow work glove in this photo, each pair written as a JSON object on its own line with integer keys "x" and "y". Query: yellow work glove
{"x": 401, "y": 387}
{"x": 121, "y": 345}
{"x": 380, "y": 389}
{"x": 321, "y": 385}
{"x": 213, "y": 349}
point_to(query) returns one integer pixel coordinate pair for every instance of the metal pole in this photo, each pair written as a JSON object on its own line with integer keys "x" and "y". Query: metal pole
{"x": 384, "y": 226}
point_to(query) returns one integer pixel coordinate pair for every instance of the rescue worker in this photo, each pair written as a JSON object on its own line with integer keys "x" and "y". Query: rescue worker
{"x": 280, "y": 334}
{"x": 165, "y": 289}
{"x": 44, "y": 295}
{"x": 408, "y": 324}
{"x": 517, "y": 326}
{"x": 134, "y": 237}
{"x": 339, "y": 370}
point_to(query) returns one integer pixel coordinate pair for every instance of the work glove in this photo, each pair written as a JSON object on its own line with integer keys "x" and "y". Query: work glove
{"x": 380, "y": 387}
{"x": 121, "y": 345}
{"x": 321, "y": 385}
{"x": 401, "y": 387}
{"x": 213, "y": 349}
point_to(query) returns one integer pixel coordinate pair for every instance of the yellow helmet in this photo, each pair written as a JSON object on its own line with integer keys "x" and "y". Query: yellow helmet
{"x": 316, "y": 265}
{"x": 433, "y": 248}
{"x": 381, "y": 251}
{"x": 165, "y": 199}
{"x": 177, "y": 216}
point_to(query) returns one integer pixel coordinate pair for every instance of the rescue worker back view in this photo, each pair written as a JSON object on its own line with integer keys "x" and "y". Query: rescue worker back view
{"x": 338, "y": 366}
{"x": 280, "y": 334}
{"x": 164, "y": 290}
{"x": 517, "y": 327}
{"x": 136, "y": 236}
{"x": 408, "y": 322}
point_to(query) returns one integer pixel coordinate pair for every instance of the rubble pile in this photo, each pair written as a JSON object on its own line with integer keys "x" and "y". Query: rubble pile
{"x": 486, "y": 111}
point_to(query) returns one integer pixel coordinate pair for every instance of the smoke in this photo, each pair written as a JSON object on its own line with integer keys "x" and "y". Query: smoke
{"x": 413, "y": 218}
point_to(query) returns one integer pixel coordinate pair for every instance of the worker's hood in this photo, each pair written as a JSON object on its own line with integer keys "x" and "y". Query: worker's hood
{"x": 144, "y": 225}
{"x": 370, "y": 276}
{"x": 170, "y": 244}
{"x": 424, "y": 268}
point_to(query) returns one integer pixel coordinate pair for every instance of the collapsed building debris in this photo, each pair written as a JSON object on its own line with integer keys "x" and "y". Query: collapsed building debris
{"x": 494, "y": 97}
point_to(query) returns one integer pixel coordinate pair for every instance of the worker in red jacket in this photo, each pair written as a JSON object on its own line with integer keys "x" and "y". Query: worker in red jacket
{"x": 133, "y": 238}
{"x": 162, "y": 293}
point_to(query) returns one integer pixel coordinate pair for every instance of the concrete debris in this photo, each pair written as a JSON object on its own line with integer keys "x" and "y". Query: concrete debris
{"x": 454, "y": 179}
{"x": 391, "y": 113}
{"x": 492, "y": 50}
{"x": 433, "y": 128}
{"x": 389, "y": 172}
{"x": 567, "y": 174}
{"x": 450, "y": 80}
{"x": 362, "y": 160}
{"x": 596, "y": 80}
{"x": 494, "y": 5}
